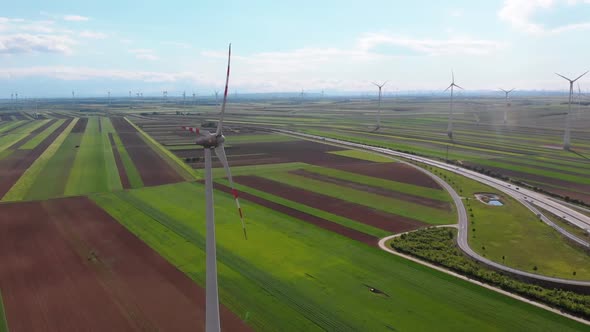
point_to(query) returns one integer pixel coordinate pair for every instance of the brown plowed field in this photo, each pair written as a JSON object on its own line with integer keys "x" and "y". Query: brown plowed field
{"x": 14, "y": 165}
{"x": 152, "y": 168}
{"x": 80, "y": 126}
{"x": 32, "y": 134}
{"x": 398, "y": 172}
{"x": 379, "y": 219}
{"x": 376, "y": 190}
{"x": 320, "y": 222}
{"x": 119, "y": 162}
{"x": 66, "y": 265}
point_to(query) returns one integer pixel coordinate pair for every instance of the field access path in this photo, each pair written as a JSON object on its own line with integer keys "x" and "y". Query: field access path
{"x": 519, "y": 194}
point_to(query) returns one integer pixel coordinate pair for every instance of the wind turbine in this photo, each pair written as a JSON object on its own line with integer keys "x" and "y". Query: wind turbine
{"x": 380, "y": 86}
{"x": 566, "y": 135}
{"x": 507, "y": 92}
{"x": 214, "y": 141}
{"x": 109, "y": 93}
{"x": 451, "y": 86}
{"x": 216, "y": 96}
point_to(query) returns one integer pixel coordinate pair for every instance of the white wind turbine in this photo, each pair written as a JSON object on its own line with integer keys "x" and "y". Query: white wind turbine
{"x": 567, "y": 135}
{"x": 507, "y": 92}
{"x": 214, "y": 141}
{"x": 451, "y": 86}
{"x": 380, "y": 86}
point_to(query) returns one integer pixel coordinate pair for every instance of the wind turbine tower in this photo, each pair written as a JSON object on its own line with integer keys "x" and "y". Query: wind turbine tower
{"x": 451, "y": 86}
{"x": 380, "y": 86}
{"x": 567, "y": 135}
{"x": 507, "y": 92}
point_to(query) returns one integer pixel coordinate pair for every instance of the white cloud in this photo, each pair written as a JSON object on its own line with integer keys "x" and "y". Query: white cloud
{"x": 144, "y": 54}
{"x": 85, "y": 73}
{"x": 433, "y": 47}
{"x": 75, "y": 18}
{"x": 519, "y": 14}
{"x": 29, "y": 43}
{"x": 92, "y": 34}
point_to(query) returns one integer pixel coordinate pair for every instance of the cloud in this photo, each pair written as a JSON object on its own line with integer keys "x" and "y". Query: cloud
{"x": 144, "y": 54}
{"x": 92, "y": 34}
{"x": 456, "y": 12}
{"x": 519, "y": 14}
{"x": 75, "y": 18}
{"x": 85, "y": 73}
{"x": 432, "y": 47}
{"x": 29, "y": 43}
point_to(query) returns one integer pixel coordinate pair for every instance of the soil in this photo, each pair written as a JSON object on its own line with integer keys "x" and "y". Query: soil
{"x": 320, "y": 222}
{"x": 120, "y": 167}
{"x": 66, "y": 265}
{"x": 152, "y": 168}
{"x": 379, "y": 219}
{"x": 377, "y": 190}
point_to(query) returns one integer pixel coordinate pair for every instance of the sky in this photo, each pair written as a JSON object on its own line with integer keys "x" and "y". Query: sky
{"x": 51, "y": 48}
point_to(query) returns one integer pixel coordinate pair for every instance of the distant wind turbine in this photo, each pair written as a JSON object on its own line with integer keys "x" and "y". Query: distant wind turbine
{"x": 507, "y": 92}
{"x": 214, "y": 141}
{"x": 380, "y": 86}
{"x": 451, "y": 86}
{"x": 216, "y": 96}
{"x": 566, "y": 135}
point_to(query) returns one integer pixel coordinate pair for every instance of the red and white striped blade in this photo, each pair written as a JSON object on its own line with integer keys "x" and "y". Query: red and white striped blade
{"x": 220, "y": 152}
{"x": 191, "y": 129}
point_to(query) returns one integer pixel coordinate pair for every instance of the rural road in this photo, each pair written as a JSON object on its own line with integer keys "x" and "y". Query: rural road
{"x": 525, "y": 196}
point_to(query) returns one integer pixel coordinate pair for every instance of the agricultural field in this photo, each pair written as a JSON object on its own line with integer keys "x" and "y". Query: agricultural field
{"x": 117, "y": 194}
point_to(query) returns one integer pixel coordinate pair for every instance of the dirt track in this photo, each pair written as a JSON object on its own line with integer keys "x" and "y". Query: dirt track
{"x": 66, "y": 265}
{"x": 320, "y": 222}
{"x": 379, "y": 219}
{"x": 152, "y": 168}
{"x": 120, "y": 167}
{"x": 13, "y": 166}
{"x": 376, "y": 190}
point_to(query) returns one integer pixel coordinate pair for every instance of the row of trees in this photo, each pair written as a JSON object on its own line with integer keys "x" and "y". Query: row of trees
{"x": 437, "y": 246}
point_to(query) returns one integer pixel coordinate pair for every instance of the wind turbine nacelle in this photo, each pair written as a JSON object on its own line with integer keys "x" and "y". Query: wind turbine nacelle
{"x": 209, "y": 140}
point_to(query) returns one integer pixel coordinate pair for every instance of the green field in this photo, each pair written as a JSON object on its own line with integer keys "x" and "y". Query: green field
{"x": 25, "y": 183}
{"x": 31, "y": 144}
{"x": 363, "y": 155}
{"x": 516, "y": 233}
{"x": 3, "y": 322}
{"x": 94, "y": 168}
{"x": 292, "y": 276}
{"x": 130, "y": 169}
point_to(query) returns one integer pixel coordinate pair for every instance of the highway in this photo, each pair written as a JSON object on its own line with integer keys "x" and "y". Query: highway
{"x": 528, "y": 197}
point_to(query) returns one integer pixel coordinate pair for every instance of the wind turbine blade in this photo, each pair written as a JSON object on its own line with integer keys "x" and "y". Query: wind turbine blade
{"x": 375, "y": 84}
{"x": 563, "y": 77}
{"x": 581, "y": 76}
{"x": 453, "y": 76}
{"x": 458, "y": 86}
{"x": 504, "y": 90}
{"x": 448, "y": 87}
{"x": 220, "y": 152}
{"x": 512, "y": 90}
{"x": 220, "y": 124}
{"x": 191, "y": 129}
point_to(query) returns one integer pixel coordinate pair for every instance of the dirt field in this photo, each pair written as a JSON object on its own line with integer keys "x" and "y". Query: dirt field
{"x": 385, "y": 221}
{"x": 392, "y": 171}
{"x": 376, "y": 190}
{"x": 120, "y": 167}
{"x": 32, "y": 134}
{"x": 152, "y": 168}
{"x": 320, "y": 222}
{"x": 66, "y": 265}
{"x": 13, "y": 166}
{"x": 80, "y": 126}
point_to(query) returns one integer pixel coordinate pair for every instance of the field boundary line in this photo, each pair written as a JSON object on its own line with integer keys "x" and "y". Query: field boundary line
{"x": 24, "y": 183}
{"x": 186, "y": 171}
{"x": 383, "y": 246}
{"x": 3, "y": 319}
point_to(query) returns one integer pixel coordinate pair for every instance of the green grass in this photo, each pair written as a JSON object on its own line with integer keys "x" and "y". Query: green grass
{"x": 3, "y": 322}
{"x": 363, "y": 155}
{"x": 113, "y": 180}
{"x": 6, "y": 126}
{"x": 516, "y": 233}
{"x": 402, "y": 208}
{"x": 24, "y": 184}
{"x": 94, "y": 168}
{"x": 16, "y": 135}
{"x": 33, "y": 142}
{"x": 292, "y": 276}
{"x": 132, "y": 172}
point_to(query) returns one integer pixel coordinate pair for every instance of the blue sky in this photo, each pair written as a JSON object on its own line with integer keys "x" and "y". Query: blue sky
{"x": 49, "y": 48}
